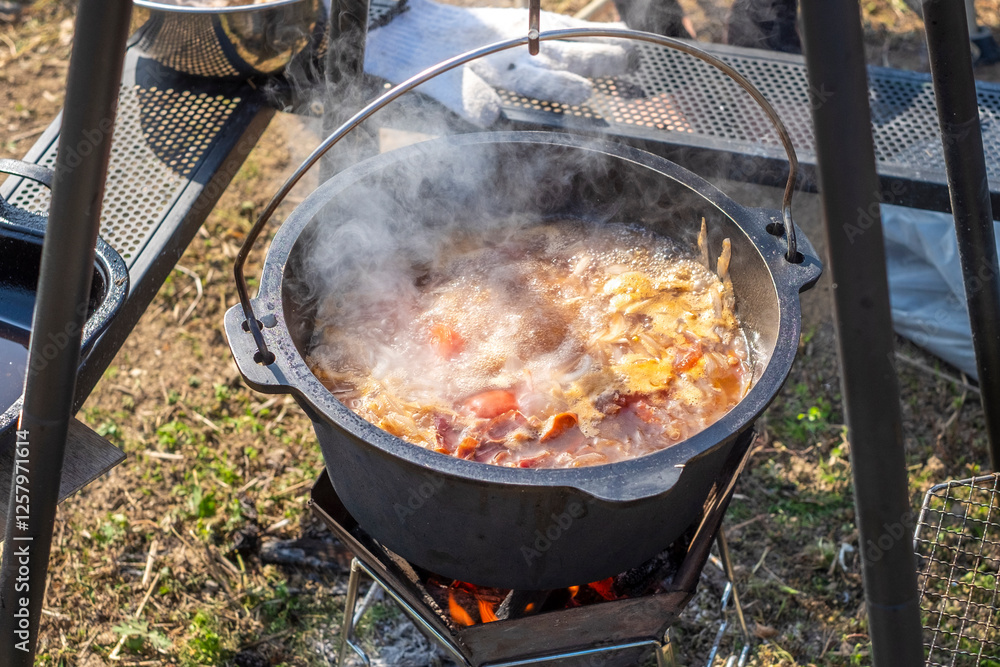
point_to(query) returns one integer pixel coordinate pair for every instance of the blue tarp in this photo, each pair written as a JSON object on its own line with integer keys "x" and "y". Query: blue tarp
{"x": 926, "y": 286}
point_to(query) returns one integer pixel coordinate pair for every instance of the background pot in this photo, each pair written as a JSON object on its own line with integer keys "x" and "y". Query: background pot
{"x": 234, "y": 42}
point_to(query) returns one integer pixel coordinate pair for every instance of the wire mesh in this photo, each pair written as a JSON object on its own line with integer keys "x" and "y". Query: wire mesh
{"x": 957, "y": 541}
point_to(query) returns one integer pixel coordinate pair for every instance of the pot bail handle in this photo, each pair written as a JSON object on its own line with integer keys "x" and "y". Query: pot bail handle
{"x": 786, "y": 227}
{"x": 29, "y": 170}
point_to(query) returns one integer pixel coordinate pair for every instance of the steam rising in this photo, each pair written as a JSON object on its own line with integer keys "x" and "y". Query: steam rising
{"x": 367, "y": 255}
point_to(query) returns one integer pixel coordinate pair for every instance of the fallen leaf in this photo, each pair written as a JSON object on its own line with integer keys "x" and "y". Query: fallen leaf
{"x": 764, "y": 631}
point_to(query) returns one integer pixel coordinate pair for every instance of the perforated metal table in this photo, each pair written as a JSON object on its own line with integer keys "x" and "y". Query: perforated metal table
{"x": 177, "y": 143}
{"x": 686, "y": 110}
{"x": 690, "y": 112}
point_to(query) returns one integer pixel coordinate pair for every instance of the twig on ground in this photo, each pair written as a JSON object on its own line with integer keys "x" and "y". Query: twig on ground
{"x": 945, "y": 435}
{"x": 248, "y": 485}
{"x": 166, "y": 394}
{"x": 208, "y": 422}
{"x": 163, "y": 455}
{"x": 10, "y": 44}
{"x": 275, "y": 526}
{"x": 138, "y": 612}
{"x": 744, "y": 524}
{"x": 919, "y": 365}
{"x": 292, "y": 489}
{"x": 760, "y": 562}
{"x": 86, "y": 645}
{"x": 198, "y": 287}
{"x": 150, "y": 558}
{"x": 149, "y": 592}
{"x": 27, "y": 134}
{"x": 264, "y": 640}
{"x": 827, "y": 642}
{"x": 785, "y": 588}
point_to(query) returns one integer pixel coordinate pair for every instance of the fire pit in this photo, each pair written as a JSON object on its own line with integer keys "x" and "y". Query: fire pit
{"x": 616, "y": 622}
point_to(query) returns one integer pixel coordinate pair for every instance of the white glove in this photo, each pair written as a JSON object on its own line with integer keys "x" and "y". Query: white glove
{"x": 428, "y": 33}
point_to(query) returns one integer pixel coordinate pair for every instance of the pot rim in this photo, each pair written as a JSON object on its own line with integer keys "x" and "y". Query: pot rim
{"x": 107, "y": 261}
{"x": 624, "y": 481}
{"x": 230, "y": 9}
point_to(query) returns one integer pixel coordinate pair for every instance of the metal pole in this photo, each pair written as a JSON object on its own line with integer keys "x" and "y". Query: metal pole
{"x": 60, "y": 311}
{"x": 958, "y": 115}
{"x": 850, "y": 203}
{"x": 345, "y": 69}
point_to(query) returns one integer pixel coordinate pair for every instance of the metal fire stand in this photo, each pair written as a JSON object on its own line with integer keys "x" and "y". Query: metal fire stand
{"x": 61, "y": 308}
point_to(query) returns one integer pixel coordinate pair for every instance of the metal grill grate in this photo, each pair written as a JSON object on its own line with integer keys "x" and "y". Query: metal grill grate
{"x": 958, "y": 546}
{"x": 161, "y": 135}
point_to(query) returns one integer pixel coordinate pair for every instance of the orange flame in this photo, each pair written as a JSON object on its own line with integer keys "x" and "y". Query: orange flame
{"x": 486, "y": 611}
{"x": 573, "y": 590}
{"x": 458, "y": 613}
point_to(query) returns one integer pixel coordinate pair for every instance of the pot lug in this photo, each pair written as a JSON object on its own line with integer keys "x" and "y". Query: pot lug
{"x": 266, "y": 379}
{"x": 788, "y": 276}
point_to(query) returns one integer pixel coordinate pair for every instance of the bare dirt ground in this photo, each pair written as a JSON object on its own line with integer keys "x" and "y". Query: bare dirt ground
{"x": 169, "y": 558}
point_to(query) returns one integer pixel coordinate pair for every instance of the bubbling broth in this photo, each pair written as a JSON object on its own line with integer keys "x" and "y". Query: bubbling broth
{"x": 563, "y": 345}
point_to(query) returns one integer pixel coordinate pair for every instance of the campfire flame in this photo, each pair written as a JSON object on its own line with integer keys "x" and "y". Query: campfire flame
{"x": 487, "y": 599}
{"x": 457, "y": 612}
{"x": 486, "y": 611}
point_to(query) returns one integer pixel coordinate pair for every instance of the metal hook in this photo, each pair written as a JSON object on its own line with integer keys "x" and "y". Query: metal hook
{"x": 534, "y": 28}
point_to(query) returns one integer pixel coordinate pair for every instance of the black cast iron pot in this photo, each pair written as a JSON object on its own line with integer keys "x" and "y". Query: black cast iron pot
{"x": 506, "y": 527}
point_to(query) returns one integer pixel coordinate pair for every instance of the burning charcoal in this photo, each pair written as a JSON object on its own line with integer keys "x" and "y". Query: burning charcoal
{"x": 644, "y": 578}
